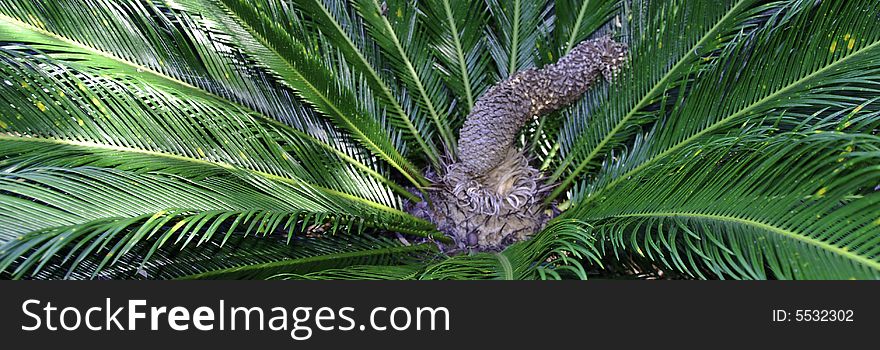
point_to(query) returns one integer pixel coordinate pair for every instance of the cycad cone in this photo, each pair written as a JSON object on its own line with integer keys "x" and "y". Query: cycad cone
{"x": 492, "y": 197}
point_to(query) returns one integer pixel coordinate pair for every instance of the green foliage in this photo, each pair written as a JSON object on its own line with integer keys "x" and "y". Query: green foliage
{"x": 670, "y": 45}
{"x": 343, "y": 28}
{"x": 746, "y": 214}
{"x": 459, "y": 47}
{"x": 299, "y": 63}
{"x": 243, "y": 257}
{"x": 401, "y": 35}
{"x": 559, "y": 251}
{"x": 281, "y": 138}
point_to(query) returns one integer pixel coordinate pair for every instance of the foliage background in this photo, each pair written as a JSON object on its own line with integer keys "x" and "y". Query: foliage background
{"x": 271, "y": 138}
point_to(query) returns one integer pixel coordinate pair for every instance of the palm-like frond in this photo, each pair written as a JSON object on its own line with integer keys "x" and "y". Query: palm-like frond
{"x": 312, "y": 133}
{"x": 556, "y": 252}
{"x": 75, "y": 141}
{"x": 734, "y": 208}
{"x": 318, "y": 255}
{"x": 124, "y": 115}
{"x": 576, "y": 20}
{"x": 670, "y": 43}
{"x": 813, "y": 74}
{"x": 241, "y": 257}
{"x": 194, "y": 209}
{"x": 166, "y": 45}
{"x": 345, "y": 30}
{"x": 459, "y": 47}
{"x": 331, "y": 90}
{"x": 559, "y": 250}
{"x": 516, "y": 28}
{"x": 406, "y": 47}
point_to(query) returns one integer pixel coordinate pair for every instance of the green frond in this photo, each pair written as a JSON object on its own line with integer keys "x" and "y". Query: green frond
{"x": 103, "y": 67}
{"x": 670, "y": 42}
{"x": 514, "y": 31}
{"x": 22, "y": 155}
{"x": 556, "y": 252}
{"x": 382, "y": 255}
{"x": 403, "y": 40}
{"x": 576, "y": 20}
{"x": 171, "y": 208}
{"x": 49, "y": 209}
{"x": 457, "y": 30}
{"x": 335, "y": 20}
{"x": 241, "y": 257}
{"x": 58, "y": 104}
{"x": 167, "y": 46}
{"x": 787, "y": 206}
{"x": 330, "y": 89}
{"x": 359, "y": 272}
{"x": 801, "y": 63}
{"x": 95, "y": 165}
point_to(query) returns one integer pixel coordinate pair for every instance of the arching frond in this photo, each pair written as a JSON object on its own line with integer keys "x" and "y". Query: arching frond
{"x": 558, "y": 251}
{"x": 316, "y": 256}
{"x": 93, "y": 165}
{"x": 577, "y": 20}
{"x": 358, "y": 272}
{"x": 513, "y": 35}
{"x": 166, "y": 45}
{"x": 56, "y": 103}
{"x": 173, "y": 209}
{"x": 24, "y": 39}
{"x": 787, "y": 206}
{"x": 670, "y": 42}
{"x": 330, "y": 89}
{"x": 241, "y": 257}
{"x": 337, "y": 22}
{"x": 459, "y": 46}
{"x": 405, "y": 44}
{"x": 810, "y": 61}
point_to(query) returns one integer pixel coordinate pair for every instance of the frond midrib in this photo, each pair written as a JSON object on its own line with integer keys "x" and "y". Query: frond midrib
{"x": 845, "y": 253}
{"x": 393, "y": 185}
{"x": 720, "y": 122}
{"x": 514, "y": 41}
{"x": 632, "y": 112}
{"x": 199, "y": 91}
{"x": 445, "y": 133}
{"x": 411, "y": 177}
{"x": 506, "y": 266}
{"x": 293, "y": 262}
{"x": 207, "y": 95}
{"x": 462, "y": 63}
{"x": 94, "y": 145}
{"x": 430, "y": 152}
{"x": 577, "y": 26}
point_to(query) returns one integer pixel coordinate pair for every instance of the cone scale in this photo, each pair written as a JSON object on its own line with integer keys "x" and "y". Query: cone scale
{"x": 491, "y": 196}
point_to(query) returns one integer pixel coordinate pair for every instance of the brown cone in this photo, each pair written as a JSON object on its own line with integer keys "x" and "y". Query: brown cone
{"x": 497, "y": 116}
{"x": 492, "y": 197}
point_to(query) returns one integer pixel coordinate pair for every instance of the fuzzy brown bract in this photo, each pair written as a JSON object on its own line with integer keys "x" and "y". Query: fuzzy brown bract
{"x": 491, "y": 196}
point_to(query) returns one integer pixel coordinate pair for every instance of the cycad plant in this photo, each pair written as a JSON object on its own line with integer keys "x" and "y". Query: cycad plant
{"x": 439, "y": 139}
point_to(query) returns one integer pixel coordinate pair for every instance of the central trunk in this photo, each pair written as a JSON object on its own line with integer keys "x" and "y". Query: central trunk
{"x": 491, "y": 196}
